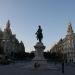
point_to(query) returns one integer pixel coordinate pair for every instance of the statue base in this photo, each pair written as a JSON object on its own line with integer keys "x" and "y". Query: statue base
{"x": 39, "y": 61}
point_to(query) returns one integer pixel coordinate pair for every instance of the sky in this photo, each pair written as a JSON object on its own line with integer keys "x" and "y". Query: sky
{"x": 26, "y": 15}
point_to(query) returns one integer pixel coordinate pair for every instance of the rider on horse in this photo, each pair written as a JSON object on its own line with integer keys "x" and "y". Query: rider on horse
{"x": 39, "y": 34}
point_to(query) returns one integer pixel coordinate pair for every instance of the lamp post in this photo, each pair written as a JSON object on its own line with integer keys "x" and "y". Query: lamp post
{"x": 62, "y": 57}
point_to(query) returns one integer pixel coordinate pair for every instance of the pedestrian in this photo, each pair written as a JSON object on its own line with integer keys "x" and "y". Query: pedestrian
{"x": 63, "y": 67}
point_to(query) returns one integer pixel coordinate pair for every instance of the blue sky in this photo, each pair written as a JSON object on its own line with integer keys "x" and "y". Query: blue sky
{"x": 26, "y": 15}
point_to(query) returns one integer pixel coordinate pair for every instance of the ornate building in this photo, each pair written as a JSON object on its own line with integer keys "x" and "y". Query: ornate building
{"x": 66, "y": 46}
{"x": 9, "y": 44}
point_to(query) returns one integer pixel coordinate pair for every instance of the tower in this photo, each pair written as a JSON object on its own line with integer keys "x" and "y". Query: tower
{"x": 8, "y": 29}
{"x": 70, "y": 35}
{"x": 70, "y": 44}
{"x": 7, "y": 37}
{"x": 70, "y": 30}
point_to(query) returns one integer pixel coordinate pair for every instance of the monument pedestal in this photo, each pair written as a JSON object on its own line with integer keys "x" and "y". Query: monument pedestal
{"x": 39, "y": 61}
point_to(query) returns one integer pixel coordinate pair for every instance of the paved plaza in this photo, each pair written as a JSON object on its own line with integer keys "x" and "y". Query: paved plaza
{"x": 19, "y": 68}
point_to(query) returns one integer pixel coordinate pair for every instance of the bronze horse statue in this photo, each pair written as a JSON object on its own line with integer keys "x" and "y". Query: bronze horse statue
{"x": 39, "y": 34}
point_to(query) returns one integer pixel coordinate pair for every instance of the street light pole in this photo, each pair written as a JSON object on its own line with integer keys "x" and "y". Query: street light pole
{"x": 62, "y": 59}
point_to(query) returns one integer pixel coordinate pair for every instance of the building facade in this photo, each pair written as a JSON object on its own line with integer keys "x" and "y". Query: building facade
{"x": 66, "y": 46}
{"x": 9, "y": 44}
